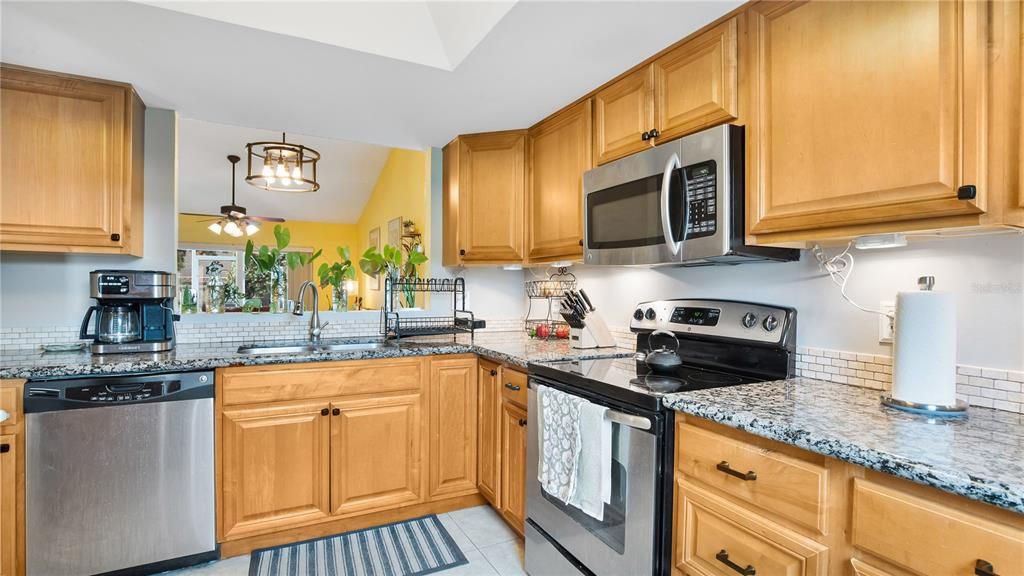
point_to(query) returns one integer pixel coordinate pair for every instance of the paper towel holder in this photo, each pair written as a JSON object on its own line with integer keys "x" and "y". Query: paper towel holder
{"x": 957, "y": 409}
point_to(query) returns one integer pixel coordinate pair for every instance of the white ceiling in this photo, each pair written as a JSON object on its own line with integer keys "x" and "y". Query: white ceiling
{"x": 537, "y": 58}
{"x": 437, "y": 34}
{"x": 347, "y": 172}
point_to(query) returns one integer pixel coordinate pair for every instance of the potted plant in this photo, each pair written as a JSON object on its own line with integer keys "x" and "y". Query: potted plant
{"x": 271, "y": 261}
{"x": 390, "y": 262}
{"x": 335, "y": 275}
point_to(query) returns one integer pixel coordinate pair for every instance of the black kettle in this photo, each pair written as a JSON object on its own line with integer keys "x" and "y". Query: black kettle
{"x": 663, "y": 360}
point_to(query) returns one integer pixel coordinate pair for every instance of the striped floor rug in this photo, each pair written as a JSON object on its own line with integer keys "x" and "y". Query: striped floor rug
{"x": 409, "y": 548}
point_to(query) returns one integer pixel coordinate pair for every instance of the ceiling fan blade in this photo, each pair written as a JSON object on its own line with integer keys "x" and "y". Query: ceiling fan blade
{"x": 198, "y": 214}
{"x": 265, "y": 219}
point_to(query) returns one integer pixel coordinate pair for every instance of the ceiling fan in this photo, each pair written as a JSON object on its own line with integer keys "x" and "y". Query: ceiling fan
{"x": 233, "y": 220}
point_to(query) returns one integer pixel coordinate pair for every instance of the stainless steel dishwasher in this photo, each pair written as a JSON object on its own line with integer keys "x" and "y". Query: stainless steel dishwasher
{"x": 119, "y": 474}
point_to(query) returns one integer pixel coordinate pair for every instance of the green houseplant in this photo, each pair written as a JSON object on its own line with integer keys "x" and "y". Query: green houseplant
{"x": 390, "y": 262}
{"x": 271, "y": 261}
{"x": 335, "y": 275}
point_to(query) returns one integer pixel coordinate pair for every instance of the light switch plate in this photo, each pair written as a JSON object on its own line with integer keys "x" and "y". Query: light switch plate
{"x": 886, "y": 324}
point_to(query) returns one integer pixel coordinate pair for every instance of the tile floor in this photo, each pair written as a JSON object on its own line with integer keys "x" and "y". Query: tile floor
{"x": 491, "y": 547}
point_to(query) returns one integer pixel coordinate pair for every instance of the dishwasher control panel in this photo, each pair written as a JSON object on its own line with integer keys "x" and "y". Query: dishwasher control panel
{"x": 120, "y": 392}
{"x": 96, "y": 392}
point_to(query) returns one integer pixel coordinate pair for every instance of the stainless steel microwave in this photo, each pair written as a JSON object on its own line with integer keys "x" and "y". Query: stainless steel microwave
{"x": 677, "y": 204}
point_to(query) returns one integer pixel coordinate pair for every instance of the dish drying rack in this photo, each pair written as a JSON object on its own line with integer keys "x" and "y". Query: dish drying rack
{"x": 460, "y": 321}
{"x": 546, "y": 294}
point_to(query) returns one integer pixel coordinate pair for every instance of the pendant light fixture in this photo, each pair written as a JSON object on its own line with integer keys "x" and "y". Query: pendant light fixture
{"x": 282, "y": 166}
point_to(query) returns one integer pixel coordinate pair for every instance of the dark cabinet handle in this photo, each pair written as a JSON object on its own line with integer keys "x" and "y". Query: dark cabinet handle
{"x": 581, "y": 242}
{"x": 724, "y": 467}
{"x": 984, "y": 568}
{"x": 494, "y": 372}
{"x": 5, "y": 448}
{"x": 967, "y": 192}
{"x": 645, "y": 136}
{"x": 522, "y": 422}
{"x": 462, "y": 252}
{"x": 325, "y": 412}
{"x": 115, "y": 237}
{"x": 513, "y": 387}
{"x": 723, "y": 557}
{"x": 654, "y": 133}
{"x": 336, "y": 411}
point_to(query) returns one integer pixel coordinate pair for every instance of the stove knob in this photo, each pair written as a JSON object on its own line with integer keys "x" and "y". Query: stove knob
{"x": 638, "y": 315}
{"x": 749, "y": 319}
{"x": 650, "y": 315}
{"x": 770, "y": 323}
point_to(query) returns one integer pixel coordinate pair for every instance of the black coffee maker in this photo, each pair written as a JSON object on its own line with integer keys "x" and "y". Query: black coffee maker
{"x": 134, "y": 311}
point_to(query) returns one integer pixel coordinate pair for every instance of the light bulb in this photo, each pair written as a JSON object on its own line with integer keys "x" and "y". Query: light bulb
{"x": 286, "y": 181}
{"x": 267, "y": 170}
{"x": 251, "y": 229}
{"x": 232, "y": 229}
{"x": 281, "y": 171}
{"x": 296, "y": 173}
{"x": 215, "y": 227}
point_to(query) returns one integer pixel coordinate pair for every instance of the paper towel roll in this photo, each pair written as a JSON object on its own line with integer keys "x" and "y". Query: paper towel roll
{"x": 924, "y": 348}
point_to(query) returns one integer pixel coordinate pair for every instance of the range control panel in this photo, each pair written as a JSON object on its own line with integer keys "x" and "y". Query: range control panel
{"x": 701, "y": 185}
{"x": 718, "y": 318}
{"x": 121, "y": 392}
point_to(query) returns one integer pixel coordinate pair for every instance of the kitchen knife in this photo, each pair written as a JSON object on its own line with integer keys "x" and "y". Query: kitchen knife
{"x": 586, "y": 299}
{"x": 572, "y": 304}
{"x": 581, "y": 308}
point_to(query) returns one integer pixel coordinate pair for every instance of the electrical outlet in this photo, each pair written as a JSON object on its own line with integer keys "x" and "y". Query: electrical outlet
{"x": 886, "y": 324}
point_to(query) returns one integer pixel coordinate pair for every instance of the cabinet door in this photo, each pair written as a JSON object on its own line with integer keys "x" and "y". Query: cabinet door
{"x": 274, "y": 469}
{"x": 513, "y": 465}
{"x": 854, "y": 128}
{"x": 560, "y": 150}
{"x": 450, "y": 205}
{"x": 488, "y": 413}
{"x": 453, "y": 427}
{"x": 71, "y": 176}
{"x": 492, "y": 181}
{"x": 8, "y": 503}
{"x": 376, "y": 453}
{"x": 695, "y": 85}
{"x": 623, "y": 113}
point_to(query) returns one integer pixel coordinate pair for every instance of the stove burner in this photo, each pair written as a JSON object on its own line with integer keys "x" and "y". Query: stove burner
{"x": 713, "y": 378}
{"x": 658, "y": 384}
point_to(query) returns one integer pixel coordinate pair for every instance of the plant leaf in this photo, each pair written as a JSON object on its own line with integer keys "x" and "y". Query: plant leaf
{"x": 283, "y": 236}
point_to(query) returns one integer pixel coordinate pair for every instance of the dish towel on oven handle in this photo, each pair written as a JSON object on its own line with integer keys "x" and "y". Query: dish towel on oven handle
{"x": 575, "y": 451}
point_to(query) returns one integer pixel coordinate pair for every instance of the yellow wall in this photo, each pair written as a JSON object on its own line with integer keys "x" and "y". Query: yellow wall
{"x": 314, "y": 235}
{"x": 402, "y": 190}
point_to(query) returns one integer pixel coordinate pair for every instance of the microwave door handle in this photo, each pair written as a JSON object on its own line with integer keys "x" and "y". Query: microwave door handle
{"x": 666, "y": 218}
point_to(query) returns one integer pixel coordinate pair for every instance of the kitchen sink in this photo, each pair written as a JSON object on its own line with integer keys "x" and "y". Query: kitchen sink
{"x": 310, "y": 347}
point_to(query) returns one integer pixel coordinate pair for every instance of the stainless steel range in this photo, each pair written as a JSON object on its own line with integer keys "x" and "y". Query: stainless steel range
{"x": 682, "y": 344}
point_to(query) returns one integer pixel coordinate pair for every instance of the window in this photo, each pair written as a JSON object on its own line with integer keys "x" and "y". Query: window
{"x": 216, "y": 279}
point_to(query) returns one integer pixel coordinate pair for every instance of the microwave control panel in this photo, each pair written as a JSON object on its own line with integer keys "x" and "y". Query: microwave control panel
{"x": 701, "y": 186}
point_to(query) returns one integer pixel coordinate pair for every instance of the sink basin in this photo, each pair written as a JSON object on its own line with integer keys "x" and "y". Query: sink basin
{"x": 310, "y": 348}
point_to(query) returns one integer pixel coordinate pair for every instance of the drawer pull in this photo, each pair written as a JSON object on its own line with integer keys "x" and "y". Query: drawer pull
{"x": 984, "y": 568}
{"x": 513, "y": 387}
{"x": 723, "y": 557}
{"x": 5, "y": 448}
{"x": 745, "y": 476}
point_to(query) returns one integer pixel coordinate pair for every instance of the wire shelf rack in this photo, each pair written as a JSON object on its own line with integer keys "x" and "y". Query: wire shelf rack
{"x": 396, "y": 325}
{"x": 544, "y": 296}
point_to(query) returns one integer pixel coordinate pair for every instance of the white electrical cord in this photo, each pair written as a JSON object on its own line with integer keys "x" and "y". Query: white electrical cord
{"x": 840, "y": 268}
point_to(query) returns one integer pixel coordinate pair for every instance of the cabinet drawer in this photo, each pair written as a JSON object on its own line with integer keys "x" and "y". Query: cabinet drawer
{"x": 513, "y": 386}
{"x": 253, "y": 385}
{"x": 717, "y": 537}
{"x": 929, "y": 538}
{"x": 789, "y": 487}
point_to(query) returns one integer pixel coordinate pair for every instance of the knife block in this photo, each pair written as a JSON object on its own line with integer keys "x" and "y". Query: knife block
{"x": 594, "y": 334}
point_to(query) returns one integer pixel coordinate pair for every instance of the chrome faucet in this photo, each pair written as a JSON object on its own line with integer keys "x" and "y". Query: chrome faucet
{"x": 315, "y": 327}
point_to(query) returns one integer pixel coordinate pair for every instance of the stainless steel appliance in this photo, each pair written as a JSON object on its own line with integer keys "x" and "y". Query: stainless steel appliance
{"x": 135, "y": 311}
{"x": 119, "y": 474}
{"x": 719, "y": 343}
{"x": 680, "y": 203}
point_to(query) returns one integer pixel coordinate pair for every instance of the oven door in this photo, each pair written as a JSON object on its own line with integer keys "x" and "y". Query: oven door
{"x": 625, "y": 541}
{"x": 634, "y": 212}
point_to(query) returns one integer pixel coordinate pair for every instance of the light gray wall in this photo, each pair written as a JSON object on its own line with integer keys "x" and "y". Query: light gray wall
{"x": 53, "y": 289}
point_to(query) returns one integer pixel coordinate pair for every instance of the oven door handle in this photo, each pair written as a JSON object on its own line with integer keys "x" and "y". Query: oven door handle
{"x": 666, "y": 218}
{"x": 637, "y": 422}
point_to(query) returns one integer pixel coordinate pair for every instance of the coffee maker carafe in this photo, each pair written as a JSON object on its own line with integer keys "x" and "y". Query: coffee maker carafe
{"x": 134, "y": 311}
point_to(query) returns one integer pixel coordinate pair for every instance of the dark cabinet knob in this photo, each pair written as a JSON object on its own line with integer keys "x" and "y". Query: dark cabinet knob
{"x": 5, "y": 448}
{"x": 494, "y": 372}
{"x": 115, "y": 237}
{"x": 654, "y": 133}
{"x": 325, "y": 412}
{"x": 984, "y": 568}
{"x": 336, "y": 411}
{"x": 723, "y": 557}
{"x": 522, "y": 422}
{"x": 462, "y": 252}
{"x": 967, "y": 192}
{"x": 645, "y": 136}
{"x": 581, "y": 242}
{"x": 745, "y": 476}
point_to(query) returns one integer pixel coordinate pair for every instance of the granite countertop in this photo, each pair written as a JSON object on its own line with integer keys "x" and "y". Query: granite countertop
{"x": 980, "y": 456}
{"x": 513, "y": 348}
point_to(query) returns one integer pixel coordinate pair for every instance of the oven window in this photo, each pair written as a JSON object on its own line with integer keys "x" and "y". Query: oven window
{"x": 629, "y": 215}
{"x": 612, "y": 530}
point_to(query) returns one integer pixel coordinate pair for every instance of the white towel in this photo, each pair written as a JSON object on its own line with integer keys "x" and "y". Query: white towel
{"x": 594, "y": 468}
{"x": 575, "y": 450}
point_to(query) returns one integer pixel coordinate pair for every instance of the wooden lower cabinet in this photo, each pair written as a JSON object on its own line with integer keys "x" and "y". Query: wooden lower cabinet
{"x": 8, "y": 506}
{"x": 513, "y": 465}
{"x": 453, "y": 427}
{"x": 274, "y": 467}
{"x": 489, "y": 431}
{"x": 376, "y": 453}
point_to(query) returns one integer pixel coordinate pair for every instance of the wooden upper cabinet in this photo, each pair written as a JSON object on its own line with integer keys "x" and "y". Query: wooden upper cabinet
{"x": 453, "y": 427}
{"x": 376, "y": 453}
{"x": 71, "y": 176}
{"x": 274, "y": 468}
{"x": 623, "y": 114}
{"x": 864, "y": 113}
{"x": 695, "y": 83}
{"x": 491, "y": 196}
{"x": 559, "y": 152}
